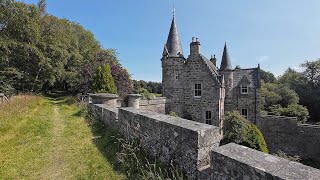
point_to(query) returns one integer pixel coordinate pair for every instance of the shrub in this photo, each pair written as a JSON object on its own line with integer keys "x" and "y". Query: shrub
{"x": 293, "y": 110}
{"x": 240, "y": 131}
{"x": 281, "y": 154}
{"x": 103, "y": 81}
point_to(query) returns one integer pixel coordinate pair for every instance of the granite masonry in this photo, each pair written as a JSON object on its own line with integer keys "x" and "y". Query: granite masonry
{"x": 194, "y": 147}
{"x": 286, "y": 135}
{"x": 198, "y": 90}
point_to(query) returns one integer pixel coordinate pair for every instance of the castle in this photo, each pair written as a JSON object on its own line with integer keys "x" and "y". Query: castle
{"x": 198, "y": 90}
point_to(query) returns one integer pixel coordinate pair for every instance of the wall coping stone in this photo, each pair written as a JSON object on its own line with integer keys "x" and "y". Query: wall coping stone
{"x": 177, "y": 121}
{"x": 275, "y": 166}
{"x": 104, "y": 95}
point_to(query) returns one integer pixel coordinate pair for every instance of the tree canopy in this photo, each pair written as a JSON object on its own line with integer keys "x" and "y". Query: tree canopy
{"x": 40, "y": 52}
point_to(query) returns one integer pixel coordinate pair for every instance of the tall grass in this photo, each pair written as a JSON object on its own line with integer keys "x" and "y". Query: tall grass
{"x": 128, "y": 157}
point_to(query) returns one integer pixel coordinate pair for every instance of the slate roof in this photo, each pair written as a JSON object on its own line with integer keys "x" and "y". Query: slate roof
{"x": 210, "y": 65}
{"x": 225, "y": 62}
{"x": 173, "y": 45}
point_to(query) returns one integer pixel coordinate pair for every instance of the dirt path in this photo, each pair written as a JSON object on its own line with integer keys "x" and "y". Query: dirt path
{"x": 55, "y": 168}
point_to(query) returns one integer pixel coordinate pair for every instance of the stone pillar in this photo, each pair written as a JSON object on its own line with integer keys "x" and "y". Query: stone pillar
{"x": 104, "y": 98}
{"x": 134, "y": 100}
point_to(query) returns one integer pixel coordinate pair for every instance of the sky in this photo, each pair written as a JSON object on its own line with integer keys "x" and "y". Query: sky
{"x": 276, "y": 34}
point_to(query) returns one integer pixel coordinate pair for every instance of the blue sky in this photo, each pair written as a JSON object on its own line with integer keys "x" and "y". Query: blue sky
{"x": 276, "y": 33}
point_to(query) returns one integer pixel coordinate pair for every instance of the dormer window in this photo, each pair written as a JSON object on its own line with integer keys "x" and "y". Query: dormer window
{"x": 244, "y": 89}
{"x": 197, "y": 90}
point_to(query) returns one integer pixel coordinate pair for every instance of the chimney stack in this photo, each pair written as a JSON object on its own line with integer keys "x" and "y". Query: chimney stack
{"x": 195, "y": 47}
{"x": 214, "y": 60}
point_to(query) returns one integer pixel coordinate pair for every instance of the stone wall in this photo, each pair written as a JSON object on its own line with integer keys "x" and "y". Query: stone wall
{"x": 190, "y": 146}
{"x": 233, "y": 161}
{"x": 155, "y": 105}
{"x": 185, "y": 143}
{"x": 285, "y": 134}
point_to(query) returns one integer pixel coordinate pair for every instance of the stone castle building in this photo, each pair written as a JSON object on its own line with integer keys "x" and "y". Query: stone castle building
{"x": 199, "y": 90}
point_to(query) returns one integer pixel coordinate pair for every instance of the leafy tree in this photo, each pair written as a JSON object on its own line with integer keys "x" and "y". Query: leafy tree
{"x": 267, "y": 76}
{"x": 237, "y": 67}
{"x": 103, "y": 81}
{"x": 239, "y": 130}
{"x": 293, "y": 110}
{"x": 42, "y": 5}
{"x": 40, "y": 52}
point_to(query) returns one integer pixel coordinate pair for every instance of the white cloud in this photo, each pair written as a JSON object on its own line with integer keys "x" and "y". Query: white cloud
{"x": 263, "y": 59}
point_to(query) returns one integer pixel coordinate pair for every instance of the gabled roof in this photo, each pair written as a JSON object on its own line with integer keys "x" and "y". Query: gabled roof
{"x": 213, "y": 69}
{"x": 225, "y": 61}
{"x": 173, "y": 44}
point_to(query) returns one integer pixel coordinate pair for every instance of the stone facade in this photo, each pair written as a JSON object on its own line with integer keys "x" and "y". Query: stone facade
{"x": 198, "y": 90}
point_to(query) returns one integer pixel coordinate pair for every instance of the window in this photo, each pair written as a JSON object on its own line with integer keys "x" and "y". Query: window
{"x": 208, "y": 117}
{"x": 197, "y": 90}
{"x": 244, "y": 89}
{"x": 244, "y": 113}
{"x": 176, "y": 74}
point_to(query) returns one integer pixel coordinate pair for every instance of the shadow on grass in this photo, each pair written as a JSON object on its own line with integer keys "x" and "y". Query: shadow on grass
{"x": 106, "y": 141}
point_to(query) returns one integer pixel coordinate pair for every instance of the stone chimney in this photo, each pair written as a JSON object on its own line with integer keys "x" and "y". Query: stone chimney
{"x": 195, "y": 47}
{"x": 214, "y": 60}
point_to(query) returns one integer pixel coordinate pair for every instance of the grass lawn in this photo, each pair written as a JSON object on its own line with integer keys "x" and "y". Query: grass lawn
{"x": 43, "y": 138}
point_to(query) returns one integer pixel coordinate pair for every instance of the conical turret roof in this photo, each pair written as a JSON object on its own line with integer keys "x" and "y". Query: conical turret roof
{"x": 225, "y": 62}
{"x": 173, "y": 44}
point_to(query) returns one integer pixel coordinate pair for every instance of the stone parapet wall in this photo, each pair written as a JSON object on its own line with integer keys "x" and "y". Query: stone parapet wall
{"x": 191, "y": 145}
{"x": 172, "y": 139}
{"x": 233, "y": 161}
{"x": 186, "y": 143}
{"x": 155, "y": 105}
{"x": 285, "y": 134}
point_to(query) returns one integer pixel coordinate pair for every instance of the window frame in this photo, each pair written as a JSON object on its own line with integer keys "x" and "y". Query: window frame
{"x": 208, "y": 117}
{"x": 244, "y": 86}
{"x": 195, "y": 90}
{"x": 176, "y": 74}
{"x": 243, "y": 114}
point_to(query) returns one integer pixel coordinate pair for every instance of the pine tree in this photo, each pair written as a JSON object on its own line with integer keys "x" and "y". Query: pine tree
{"x": 103, "y": 81}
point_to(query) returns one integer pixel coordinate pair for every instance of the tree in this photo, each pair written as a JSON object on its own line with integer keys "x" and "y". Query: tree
{"x": 293, "y": 110}
{"x": 267, "y": 76}
{"x": 103, "y": 81}
{"x": 42, "y": 5}
{"x": 240, "y": 131}
{"x": 237, "y": 67}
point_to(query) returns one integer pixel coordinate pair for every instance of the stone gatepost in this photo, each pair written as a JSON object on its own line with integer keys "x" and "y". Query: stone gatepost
{"x": 104, "y": 98}
{"x": 134, "y": 100}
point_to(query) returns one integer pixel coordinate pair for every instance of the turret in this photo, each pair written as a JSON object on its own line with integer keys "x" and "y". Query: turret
{"x": 225, "y": 61}
{"x": 226, "y": 70}
{"x": 173, "y": 46}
